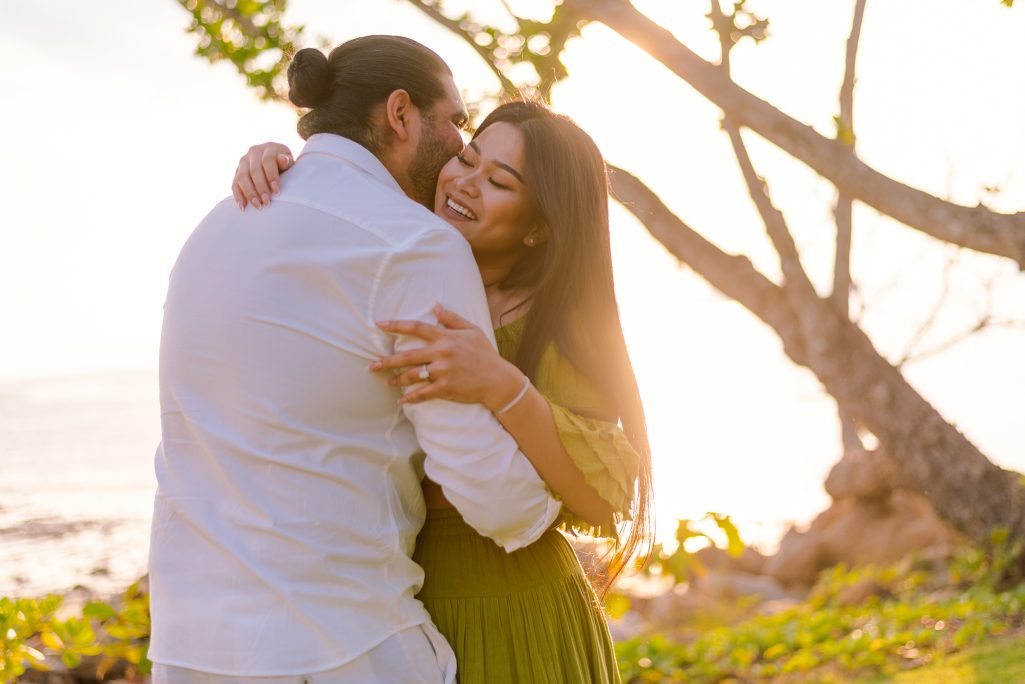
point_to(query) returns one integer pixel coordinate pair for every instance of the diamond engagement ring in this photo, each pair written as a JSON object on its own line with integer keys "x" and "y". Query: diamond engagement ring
{"x": 424, "y": 373}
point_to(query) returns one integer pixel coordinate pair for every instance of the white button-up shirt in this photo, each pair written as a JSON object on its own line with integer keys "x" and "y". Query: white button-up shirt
{"x": 289, "y": 478}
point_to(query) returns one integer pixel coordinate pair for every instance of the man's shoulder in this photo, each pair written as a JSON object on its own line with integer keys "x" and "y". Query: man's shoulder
{"x": 363, "y": 201}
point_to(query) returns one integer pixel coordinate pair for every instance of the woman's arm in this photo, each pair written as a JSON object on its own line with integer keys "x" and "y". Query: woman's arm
{"x": 532, "y": 425}
{"x": 462, "y": 365}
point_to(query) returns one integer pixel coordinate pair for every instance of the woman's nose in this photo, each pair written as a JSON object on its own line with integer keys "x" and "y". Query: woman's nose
{"x": 468, "y": 184}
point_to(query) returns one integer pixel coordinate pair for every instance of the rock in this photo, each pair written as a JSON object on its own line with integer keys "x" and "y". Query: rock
{"x": 798, "y": 560}
{"x": 674, "y": 606}
{"x": 59, "y": 675}
{"x": 731, "y": 585}
{"x": 74, "y": 601}
{"x": 750, "y": 561}
{"x": 92, "y": 667}
{"x": 858, "y": 531}
{"x": 862, "y": 474}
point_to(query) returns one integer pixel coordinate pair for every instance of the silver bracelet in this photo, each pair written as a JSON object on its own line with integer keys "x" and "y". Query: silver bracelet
{"x": 516, "y": 399}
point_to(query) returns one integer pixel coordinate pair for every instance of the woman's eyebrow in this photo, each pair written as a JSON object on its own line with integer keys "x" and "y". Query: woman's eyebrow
{"x": 501, "y": 165}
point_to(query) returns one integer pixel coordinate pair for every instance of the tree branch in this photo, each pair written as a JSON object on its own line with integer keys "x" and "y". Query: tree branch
{"x": 930, "y": 320}
{"x": 431, "y": 10}
{"x": 843, "y": 212}
{"x": 977, "y": 228}
{"x": 758, "y": 190}
{"x": 733, "y": 275}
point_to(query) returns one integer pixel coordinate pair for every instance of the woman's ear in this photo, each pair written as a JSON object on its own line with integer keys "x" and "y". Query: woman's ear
{"x": 398, "y": 109}
{"x": 537, "y": 236}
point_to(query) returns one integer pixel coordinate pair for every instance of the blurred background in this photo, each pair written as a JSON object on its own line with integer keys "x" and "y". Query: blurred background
{"x": 118, "y": 139}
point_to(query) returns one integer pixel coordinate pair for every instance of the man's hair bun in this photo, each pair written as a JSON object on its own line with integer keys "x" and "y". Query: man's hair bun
{"x": 309, "y": 78}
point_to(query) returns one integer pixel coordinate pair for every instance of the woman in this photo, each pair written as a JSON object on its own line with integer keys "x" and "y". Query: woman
{"x": 529, "y": 193}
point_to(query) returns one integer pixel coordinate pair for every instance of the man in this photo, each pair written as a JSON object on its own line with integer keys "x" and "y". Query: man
{"x": 289, "y": 490}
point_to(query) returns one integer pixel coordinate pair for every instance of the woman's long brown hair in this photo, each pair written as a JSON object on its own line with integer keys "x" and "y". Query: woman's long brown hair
{"x": 573, "y": 304}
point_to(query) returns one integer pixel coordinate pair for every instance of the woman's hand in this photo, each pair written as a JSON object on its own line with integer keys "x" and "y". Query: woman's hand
{"x": 462, "y": 364}
{"x": 259, "y": 169}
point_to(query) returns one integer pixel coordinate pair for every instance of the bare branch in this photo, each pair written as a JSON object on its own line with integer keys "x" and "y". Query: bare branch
{"x": 845, "y": 125}
{"x": 930, "y": 320}
{"x": 843, "y": 212}
{"x": 797, "y": 285}
{"x": 985, "y": 322}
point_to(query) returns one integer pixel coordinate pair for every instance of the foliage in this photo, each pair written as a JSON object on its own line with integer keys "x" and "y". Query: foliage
{"x": 682, "y": 563}
{"x": 20, "y": 620}
{"x": 250, "y": 34}
{"x": 33, "y": 636}
{"x": 917, "y": 611}
{"x": 740, "y": 23}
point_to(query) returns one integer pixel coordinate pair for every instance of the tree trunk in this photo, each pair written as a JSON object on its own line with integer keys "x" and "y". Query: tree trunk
{"x": 936, "y": 460}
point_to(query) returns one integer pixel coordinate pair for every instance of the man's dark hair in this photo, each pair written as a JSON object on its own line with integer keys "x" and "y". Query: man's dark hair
{"x": 343, "y": 89}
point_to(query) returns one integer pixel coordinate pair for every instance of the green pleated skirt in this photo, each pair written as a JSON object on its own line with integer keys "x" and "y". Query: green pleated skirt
{"x": 526, "y": 617}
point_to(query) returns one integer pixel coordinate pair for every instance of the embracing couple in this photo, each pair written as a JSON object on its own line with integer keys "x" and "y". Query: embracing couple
{"x": 389, "y": 391}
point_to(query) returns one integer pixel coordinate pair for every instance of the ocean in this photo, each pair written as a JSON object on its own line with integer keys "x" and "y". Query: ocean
{"x": 76, "y": 481}
{"x": 77, "y": 484}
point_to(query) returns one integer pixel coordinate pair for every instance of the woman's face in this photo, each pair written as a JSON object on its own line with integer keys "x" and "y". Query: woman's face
{"x": 481, "y": 192}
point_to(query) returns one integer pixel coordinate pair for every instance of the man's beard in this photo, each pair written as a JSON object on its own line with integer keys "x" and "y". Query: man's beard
{"x": 431, "y": 155}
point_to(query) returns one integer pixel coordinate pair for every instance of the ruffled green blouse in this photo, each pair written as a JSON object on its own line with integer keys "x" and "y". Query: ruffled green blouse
{"x": 598, "y": 448}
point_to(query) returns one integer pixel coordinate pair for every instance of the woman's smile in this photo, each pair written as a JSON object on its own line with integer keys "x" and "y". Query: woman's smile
{"x": 457, "y": 211}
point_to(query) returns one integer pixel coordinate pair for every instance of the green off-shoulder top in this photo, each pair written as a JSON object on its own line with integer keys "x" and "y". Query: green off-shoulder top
{"x": 598, "y": 448}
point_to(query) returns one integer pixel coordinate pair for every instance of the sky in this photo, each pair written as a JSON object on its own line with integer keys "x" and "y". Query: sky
{"x": 117, "y": 141}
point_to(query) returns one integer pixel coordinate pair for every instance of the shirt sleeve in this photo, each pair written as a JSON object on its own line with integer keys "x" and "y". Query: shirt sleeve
{"x": 609, "y": 463}
{"x": 476, "y": 462}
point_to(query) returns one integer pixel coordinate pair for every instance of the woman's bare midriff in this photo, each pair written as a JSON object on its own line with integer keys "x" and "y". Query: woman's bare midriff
{"x": 433, "y": 495}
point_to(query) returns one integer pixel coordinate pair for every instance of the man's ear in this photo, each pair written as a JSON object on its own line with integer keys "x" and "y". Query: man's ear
{"x": 398, "y": 110}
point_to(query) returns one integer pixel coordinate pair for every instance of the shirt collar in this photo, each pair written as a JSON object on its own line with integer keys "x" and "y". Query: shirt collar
{"x": 352, "y": 153}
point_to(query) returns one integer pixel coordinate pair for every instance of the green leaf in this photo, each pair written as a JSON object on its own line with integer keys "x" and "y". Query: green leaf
{"x": 71, "y": 659}
{"x": 734, "y": 544}
{"x": 51, "y": 641}
{"x": 98, "y": 610}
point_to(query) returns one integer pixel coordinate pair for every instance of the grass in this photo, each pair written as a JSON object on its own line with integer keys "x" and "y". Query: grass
{"x": 935, "y": 623}
{"x": 1000, "y": 661}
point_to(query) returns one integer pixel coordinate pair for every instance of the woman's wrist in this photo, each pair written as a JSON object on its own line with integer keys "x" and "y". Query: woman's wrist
{"x": 508, "y": 384}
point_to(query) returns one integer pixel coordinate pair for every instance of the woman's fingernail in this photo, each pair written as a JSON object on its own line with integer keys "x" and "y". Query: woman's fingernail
{"x": 266, "y": 198}
{"x": 255, "y": 201}
{"x": 376, "y": 365}
{"x": 241, "y": 207}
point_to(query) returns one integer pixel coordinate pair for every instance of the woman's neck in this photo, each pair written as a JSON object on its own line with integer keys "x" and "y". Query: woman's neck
{"x": 494, "y": 271}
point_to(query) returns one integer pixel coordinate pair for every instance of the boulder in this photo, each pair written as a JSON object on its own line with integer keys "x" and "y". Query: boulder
{"x": 713, "y": 558}
{"x": 858, "y": 531}
{"x": 732, "y": 585}
{"x": 862, "y": 474}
